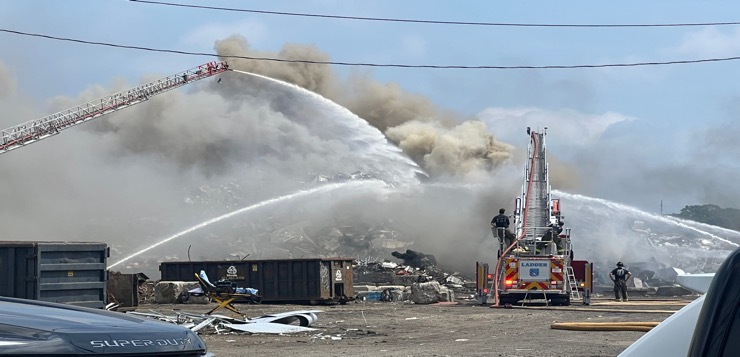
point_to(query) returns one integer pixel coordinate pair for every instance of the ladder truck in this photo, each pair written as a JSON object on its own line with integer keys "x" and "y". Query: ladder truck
{"x": 30, "y": 132}
{"x": 536, "y": 261}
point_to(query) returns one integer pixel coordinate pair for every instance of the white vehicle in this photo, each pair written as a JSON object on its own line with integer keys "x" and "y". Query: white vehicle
{"x": 708, "y": 326}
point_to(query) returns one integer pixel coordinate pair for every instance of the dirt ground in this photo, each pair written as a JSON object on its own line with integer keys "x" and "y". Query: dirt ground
{"x": 457, "y": 329}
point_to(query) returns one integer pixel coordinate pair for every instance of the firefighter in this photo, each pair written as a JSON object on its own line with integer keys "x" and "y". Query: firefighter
{"x": 619, "y": 276}
{"x": 552, "y": 235}
{"x": 556, "y": 230}
{"x": 500, "y": 227}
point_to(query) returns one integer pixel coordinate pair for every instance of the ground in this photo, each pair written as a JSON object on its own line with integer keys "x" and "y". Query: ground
{"x": 461, "y": 329}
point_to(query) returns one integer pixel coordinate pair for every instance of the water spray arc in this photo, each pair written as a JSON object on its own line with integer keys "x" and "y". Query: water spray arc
{"x": 370, "y": 144}
{"x": 302, "y": 193}
{"x": 669, "y": 220}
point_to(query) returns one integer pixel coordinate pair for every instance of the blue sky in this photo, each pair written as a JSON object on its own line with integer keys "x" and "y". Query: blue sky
{"x": 635, "y": 135}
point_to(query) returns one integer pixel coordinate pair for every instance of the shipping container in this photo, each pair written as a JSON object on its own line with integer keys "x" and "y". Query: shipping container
{"x": 320, "y": 280}
{"x": 64, "y": 272}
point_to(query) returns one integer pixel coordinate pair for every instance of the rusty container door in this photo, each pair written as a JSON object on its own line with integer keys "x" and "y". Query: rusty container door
{"x": 123, "y": 289}
{"x": 342, "y": 279}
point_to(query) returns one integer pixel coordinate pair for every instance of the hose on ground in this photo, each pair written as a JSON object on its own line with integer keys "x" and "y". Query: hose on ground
{"x": 583, "y": 309}
{"x": 604, "y": 326}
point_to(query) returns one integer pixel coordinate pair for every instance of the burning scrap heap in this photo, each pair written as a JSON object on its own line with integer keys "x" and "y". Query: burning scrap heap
{"x": 409, "y": 281}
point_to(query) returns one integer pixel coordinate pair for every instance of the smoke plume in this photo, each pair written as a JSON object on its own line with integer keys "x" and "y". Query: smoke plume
{"x": 7, "y": 83}
{"x": 136, "y": 176}
{"x": 437, "y": 140}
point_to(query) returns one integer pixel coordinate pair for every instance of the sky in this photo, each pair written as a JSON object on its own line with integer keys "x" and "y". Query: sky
{"x": 634, "y": 135}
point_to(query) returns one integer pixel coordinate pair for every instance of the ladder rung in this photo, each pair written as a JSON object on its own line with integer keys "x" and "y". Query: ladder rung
{"x": 574, "y": 294}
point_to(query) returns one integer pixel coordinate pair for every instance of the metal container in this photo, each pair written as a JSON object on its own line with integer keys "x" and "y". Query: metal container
{"x": 319, "y": 280}
{"x": 64, "y": 272}
{"x": 124, "y": 289}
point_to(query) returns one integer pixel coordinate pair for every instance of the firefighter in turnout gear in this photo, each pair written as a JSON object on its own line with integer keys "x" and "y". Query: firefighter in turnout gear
{"x": 500, "y": 228}
{"x": 619, "y": 276}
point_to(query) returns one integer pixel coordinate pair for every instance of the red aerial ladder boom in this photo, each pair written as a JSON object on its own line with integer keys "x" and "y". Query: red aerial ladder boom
{"x": 35, "y": 130}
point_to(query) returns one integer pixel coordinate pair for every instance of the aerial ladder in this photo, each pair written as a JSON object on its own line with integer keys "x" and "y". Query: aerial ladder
{"x": 538, "y": 264}
{"x": 532, "y": 212}
{"x": 29, "y": 132}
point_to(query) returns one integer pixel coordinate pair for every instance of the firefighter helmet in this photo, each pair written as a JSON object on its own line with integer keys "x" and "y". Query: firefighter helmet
{"x": 620, "y": 264}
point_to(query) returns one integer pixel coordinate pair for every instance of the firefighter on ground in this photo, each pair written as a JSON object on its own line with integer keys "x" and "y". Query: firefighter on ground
{"x": 619, "y": 276}
{"x": 500, "y": 227}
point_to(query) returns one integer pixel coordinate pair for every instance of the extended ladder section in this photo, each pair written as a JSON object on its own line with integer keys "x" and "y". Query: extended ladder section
{"x": 533, "y": 215}
{"x": 35, "y": 130}
{"x": 573, "y": 284}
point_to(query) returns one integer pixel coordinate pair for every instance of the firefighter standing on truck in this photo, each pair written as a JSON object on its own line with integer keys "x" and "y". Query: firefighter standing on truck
{"x": 619, "y": 276}
{"x": 500, "y": 226}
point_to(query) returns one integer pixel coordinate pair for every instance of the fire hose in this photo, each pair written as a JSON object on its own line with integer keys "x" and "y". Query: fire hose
{"x": 643, "y": 326}
{"x": 560, "y": 308}
{"x": 524, "y": 226}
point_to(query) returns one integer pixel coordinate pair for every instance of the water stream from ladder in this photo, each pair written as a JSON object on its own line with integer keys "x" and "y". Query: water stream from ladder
{"x": 368, "y": 149}
{"x": 699, "y": 228}
{"x": 296, "y": 195}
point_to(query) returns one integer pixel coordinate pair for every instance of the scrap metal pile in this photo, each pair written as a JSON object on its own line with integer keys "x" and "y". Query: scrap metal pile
{"x": 276, "y": 237}
{"x": 418, "y": 272}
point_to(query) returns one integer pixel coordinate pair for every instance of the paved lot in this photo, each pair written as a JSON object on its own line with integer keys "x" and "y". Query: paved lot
{"x": 403, "y": 329}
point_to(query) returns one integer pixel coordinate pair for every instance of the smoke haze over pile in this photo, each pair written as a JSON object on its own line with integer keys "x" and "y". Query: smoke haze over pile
{"x": 7, "y": 83}
{"x": 139, "y": 175}
{"x": 435, "y": 139}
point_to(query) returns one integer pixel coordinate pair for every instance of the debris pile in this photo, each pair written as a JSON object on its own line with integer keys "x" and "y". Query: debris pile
{"x": 418, "y": 280}
{"x": 146, "y": 292}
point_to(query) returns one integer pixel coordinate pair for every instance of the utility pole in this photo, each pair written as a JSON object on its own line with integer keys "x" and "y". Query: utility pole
{"x": 661, "y": 207}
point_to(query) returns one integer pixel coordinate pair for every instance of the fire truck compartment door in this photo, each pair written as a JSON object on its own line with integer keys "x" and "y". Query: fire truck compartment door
{"x": 534, "y": 270}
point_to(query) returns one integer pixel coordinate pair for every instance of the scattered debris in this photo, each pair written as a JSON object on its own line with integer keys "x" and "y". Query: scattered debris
{"x": 278, "y": 323}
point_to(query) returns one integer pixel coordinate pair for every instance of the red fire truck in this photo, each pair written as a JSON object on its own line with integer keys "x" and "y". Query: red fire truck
{"x": 536, "y": 261}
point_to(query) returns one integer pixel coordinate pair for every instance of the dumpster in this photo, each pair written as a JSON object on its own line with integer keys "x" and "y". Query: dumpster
{"x": 64, "y": 272}
{"x": 123, "y": 289}
{"x": 319, "y": 280}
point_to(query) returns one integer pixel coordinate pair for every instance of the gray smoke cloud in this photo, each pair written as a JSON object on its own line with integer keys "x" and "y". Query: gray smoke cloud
{"x": 137, "y": 176}
{"x": 7, "y": 82}
{"x": 461, "y": 149}
{"x": 436, "y": 139}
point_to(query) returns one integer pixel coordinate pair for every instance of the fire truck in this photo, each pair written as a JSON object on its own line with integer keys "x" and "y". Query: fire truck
{"x": 536, "y": 261}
